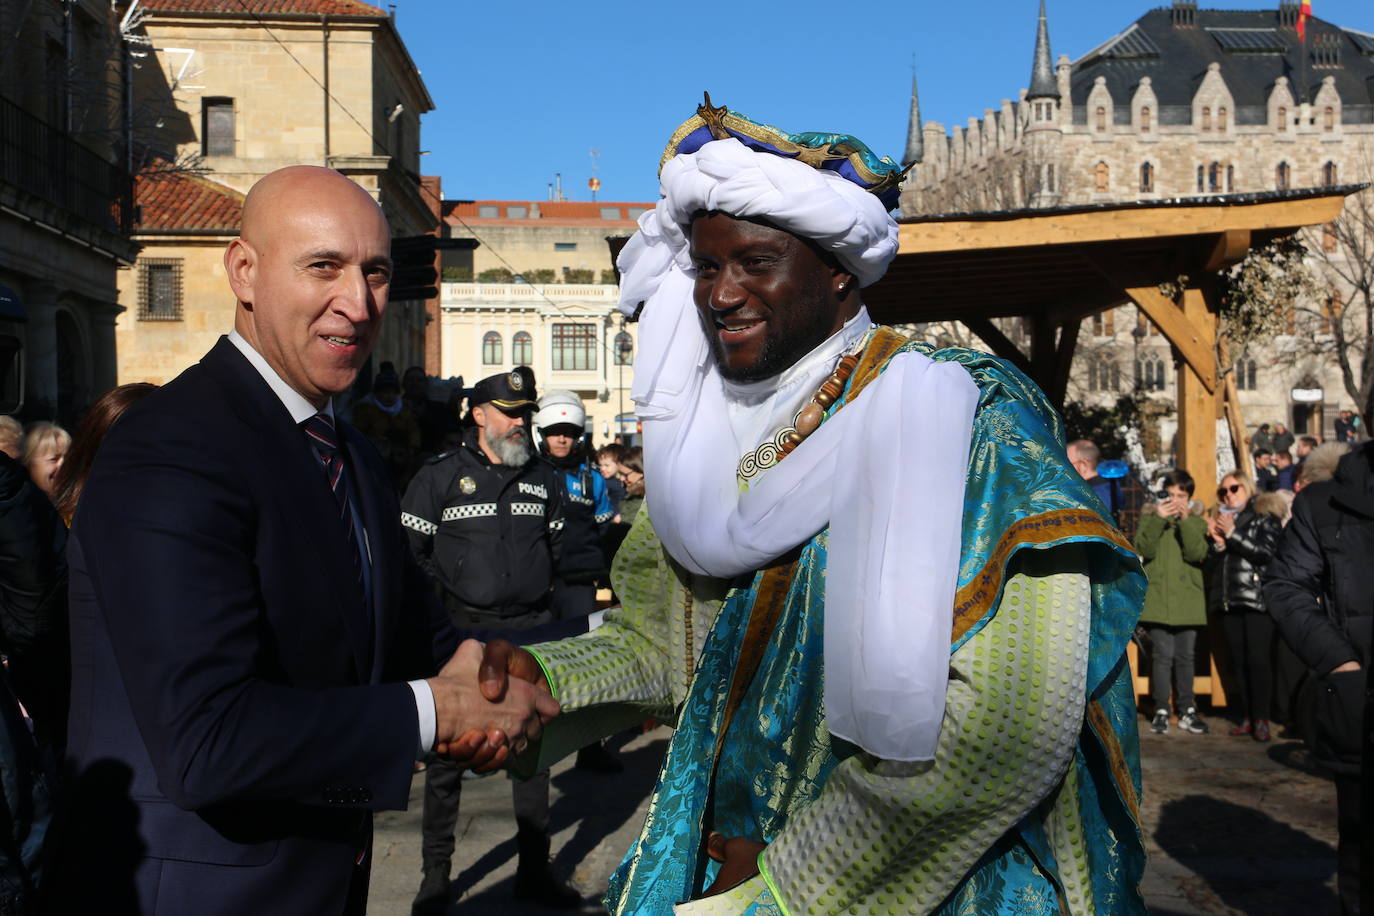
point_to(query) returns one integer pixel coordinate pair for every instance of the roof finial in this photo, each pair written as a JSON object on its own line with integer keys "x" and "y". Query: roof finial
{"x": 1043, "y": 84}
{"x": 915, "y": 136}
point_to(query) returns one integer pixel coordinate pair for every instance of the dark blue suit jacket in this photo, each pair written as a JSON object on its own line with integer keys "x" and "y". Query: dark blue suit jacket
{"x": 235, "y": 716}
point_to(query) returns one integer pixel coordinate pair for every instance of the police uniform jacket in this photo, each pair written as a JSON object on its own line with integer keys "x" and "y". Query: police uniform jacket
{"x": 489, "y": 534}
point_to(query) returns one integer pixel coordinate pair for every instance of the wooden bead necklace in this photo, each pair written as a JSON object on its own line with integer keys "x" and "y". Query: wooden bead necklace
{"x": 806, "y": 422}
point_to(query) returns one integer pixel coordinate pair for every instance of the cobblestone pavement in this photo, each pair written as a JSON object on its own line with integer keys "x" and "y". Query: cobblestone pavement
{"x": 1232, "y": 827}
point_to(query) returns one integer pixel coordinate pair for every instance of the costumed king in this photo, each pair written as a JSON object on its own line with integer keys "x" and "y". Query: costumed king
{"x": 883, "y": 703}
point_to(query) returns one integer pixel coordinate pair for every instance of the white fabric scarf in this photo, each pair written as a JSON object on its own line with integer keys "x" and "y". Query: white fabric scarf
{"x": 886, "y": 474}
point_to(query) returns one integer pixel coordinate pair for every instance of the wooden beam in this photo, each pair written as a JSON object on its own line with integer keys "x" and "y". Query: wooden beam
{"x": 1192, "y": 342}
{"x": 1231, "y": 248}
{"x": 1001, "y": 345}
{"x": 1197, "y": 402}
{"x": 1063, "y": 361}
{"x": 1033, "y": 229}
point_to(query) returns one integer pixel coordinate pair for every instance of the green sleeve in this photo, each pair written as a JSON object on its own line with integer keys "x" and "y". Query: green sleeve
{"x": 1148, "y": 533}
{"x": 639, "y": 662}
{"x": 1013, "y": 711}
{"x": 1192, "y": 534}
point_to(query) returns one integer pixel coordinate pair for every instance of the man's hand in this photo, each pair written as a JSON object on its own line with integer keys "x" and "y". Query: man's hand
{"x": 478, "y": 732}
{"x": 502, "y": 660}
{"x": 738, "y": 858}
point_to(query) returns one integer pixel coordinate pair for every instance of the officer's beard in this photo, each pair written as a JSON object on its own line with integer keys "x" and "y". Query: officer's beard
{"x": 512, "y": 449}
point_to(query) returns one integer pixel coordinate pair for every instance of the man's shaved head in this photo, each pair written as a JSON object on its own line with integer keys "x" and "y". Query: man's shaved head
{"x": 310, "y": 269}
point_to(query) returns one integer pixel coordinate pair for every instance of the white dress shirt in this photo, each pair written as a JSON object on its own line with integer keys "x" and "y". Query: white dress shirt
{"x": 302, "y": 410}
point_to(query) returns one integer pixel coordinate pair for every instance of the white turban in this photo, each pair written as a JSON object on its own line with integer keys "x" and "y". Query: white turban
{"x": 726, "y": 175}
{"x": 891, "y": 573}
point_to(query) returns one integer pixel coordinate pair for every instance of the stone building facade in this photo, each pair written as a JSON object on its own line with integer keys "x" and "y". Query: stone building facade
{"x": 1184, "y": 102}
{"x": 230, "y": 92}
{"x": 539, "y": 290}
{"x": 65, "y": 205}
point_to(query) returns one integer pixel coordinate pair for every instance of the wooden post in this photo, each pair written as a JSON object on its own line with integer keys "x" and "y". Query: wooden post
{"x": 1197, "y": 400}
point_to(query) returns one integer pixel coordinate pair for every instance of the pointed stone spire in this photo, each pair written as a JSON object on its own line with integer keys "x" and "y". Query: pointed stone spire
{"x": 1043, "y": 84}
{"x": 915, "y": 135}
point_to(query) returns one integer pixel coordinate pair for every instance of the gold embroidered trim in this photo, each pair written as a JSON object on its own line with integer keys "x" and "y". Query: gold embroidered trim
{"x": 975, "y": 599}
{"x": 1116, "y": 760}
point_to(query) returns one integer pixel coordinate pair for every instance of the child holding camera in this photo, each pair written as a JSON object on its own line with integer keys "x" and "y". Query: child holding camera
{"x": 1172, "y": 540}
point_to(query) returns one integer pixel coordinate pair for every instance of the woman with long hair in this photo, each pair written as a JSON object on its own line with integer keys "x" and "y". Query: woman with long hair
{"x": 90, "y": 433}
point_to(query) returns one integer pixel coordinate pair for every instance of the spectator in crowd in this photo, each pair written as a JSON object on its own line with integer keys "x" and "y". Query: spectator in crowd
{"x": 1304, "y": 447}
{"x": 11, "y": 437}
{"x": 435, "y": 404}
{"x": 1320, "y": 590}
{"x": 387, "y": 422}
{"x": 1266, "y": 476}
{"x": 1172, "y": 540}
{"x": 1243, "y": 541}
{"x": 1262, "y": 440}
{"x": 1284, "y": 471}
{"x": 608, "y": 459}
{"x": 486, "y": 522}
{"x": 1345, "y": 426}
{"x": 1084, "y": 455}
{"x": 101, "y": 416}
{"x": 631, "y": 471}
{"x": 1320, "y": 465}
{"x": 45, "y": 447}
{"x": 1283, "y": 438}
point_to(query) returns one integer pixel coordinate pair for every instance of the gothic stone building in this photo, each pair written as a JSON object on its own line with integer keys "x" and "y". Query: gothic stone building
{"x": 1182, "y": 103}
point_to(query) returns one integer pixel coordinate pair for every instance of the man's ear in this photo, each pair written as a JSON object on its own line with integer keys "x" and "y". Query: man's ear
{"x": 241, "y": 266}
{"x": 842, "y": 282}
{"x": 479, "y": 416}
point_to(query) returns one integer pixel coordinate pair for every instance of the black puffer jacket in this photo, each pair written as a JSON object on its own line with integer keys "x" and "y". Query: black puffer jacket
{"x": 1320, "y": 590}
{"x": 1236, "y": 567}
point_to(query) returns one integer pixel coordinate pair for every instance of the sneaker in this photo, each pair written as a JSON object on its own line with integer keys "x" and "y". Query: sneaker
{"x": 1190, "y": 721}
{"x": 1160, "y": 723}
{"x": 432, "y": 899}
{"x": 1245, "y": 727}
{"x": 1262, "y": 730}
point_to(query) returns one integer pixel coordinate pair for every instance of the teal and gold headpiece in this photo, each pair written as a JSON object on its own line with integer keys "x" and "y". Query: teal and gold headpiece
{"x": 840, "y": 153}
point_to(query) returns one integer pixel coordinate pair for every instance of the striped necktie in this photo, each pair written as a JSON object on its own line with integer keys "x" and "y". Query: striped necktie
{"x": 319, "y": 429}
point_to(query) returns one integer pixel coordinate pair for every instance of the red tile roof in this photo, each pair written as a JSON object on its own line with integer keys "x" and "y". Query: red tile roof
{"x": 181, "y": 200}
{"x": 265, "y": 7}
{"x": 550, "y": 212}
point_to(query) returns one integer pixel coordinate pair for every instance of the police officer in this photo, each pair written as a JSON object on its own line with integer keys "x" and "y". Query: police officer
{"x": 485, "y": 521}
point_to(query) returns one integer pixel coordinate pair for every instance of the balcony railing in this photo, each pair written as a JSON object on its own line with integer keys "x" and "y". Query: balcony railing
{"x": 41, "y": 160}
{"x": 531, "y": 293}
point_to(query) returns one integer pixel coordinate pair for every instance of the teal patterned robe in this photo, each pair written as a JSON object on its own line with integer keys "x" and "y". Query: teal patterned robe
{"x": 1031, "y": 803}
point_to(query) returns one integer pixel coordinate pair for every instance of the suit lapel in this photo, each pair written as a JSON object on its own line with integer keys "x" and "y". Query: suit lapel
{"x": 300, "y": 489}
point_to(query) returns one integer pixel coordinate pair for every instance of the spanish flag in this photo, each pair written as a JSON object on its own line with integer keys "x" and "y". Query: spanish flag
{"x": 1304, "y": 12}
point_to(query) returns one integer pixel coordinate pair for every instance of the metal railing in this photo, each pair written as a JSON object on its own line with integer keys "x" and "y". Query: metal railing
{"x": 41, "y": 160}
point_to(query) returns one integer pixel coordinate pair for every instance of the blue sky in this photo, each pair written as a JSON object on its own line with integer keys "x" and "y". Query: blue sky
{"x": 526, "y": 90}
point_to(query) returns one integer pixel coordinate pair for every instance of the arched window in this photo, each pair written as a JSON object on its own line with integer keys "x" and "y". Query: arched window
{"x": 624, "y": 349}
{"x": 1230, "y": 178}
{"x": 1149, "y": 372}
{"x": 521, "y": 348}
{"x": 1283, "y": 120}
{"x": 491, "y": 349}
{"x": 1329, "y": 119}
{"x": 1145, "y": 119}
{"x": 1283, "y": 176}
{"x": 1245, "y": 374}
{"x": 1101, "y": 119}
{"x": 1206, "y": 118}
{"x": 1101, "y": 177}
{"x": 1329, "y": 175}
{"x": 1147, "y": 178}
{"x": 1221, "y": 118}
{"x": 1214, "y": 176}
{"x": 1103, "y": 374}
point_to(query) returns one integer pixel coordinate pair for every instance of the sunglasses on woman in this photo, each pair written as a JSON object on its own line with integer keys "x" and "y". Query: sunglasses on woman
{"x": 1233, "y": 488}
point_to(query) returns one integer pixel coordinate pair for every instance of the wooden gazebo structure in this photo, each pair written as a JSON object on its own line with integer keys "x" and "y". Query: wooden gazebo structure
{"x": 1056, "y": 267}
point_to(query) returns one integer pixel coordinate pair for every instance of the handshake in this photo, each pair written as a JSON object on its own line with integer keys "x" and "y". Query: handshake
{"x": 489, "y": 704}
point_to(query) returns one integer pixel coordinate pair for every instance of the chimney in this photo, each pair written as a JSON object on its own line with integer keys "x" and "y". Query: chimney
{"x": 1183, "y": 14}
{"x": 1288, "y": 14}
